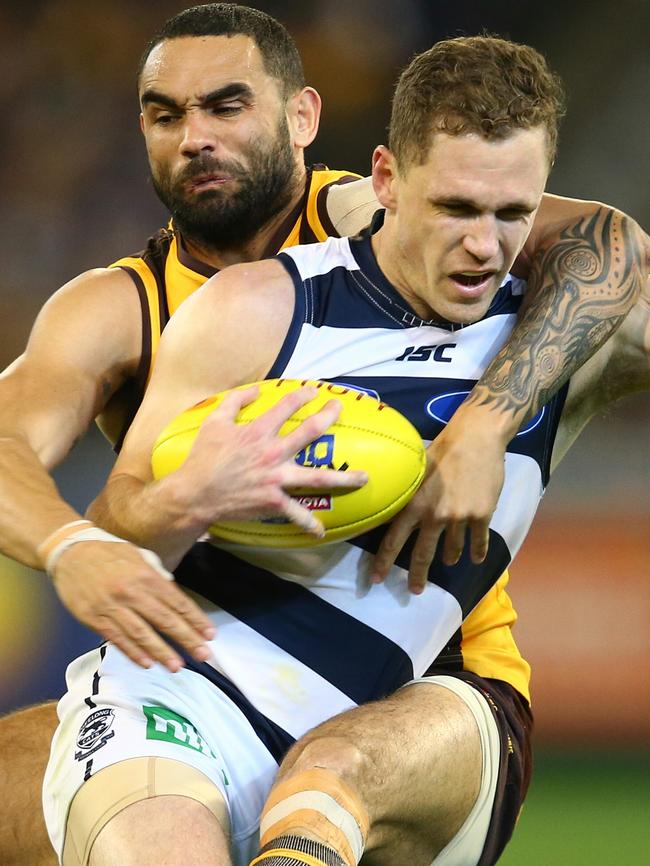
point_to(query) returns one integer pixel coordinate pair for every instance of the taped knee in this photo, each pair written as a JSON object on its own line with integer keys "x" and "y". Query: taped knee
{"x": 313, "y": 818}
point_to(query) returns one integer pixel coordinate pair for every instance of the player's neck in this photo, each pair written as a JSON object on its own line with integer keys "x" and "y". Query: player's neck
{"x": 265, "y": 242}
{"x": 398, "y": 269}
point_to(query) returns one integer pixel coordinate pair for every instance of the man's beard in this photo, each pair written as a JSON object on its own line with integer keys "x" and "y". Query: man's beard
{"x": 218, "y": 219}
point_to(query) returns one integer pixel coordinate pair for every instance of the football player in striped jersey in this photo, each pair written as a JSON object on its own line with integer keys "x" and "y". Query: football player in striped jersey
{"x": 91, "y": 348}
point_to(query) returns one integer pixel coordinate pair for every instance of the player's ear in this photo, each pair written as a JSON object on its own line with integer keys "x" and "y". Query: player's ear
{"x": 384, "y": 177}
{"x": 303, "y": 112}
{"x": 142, "y": 123}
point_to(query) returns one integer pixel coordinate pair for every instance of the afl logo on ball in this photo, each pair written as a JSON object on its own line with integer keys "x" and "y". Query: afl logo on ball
{"x": 94, "y": 733}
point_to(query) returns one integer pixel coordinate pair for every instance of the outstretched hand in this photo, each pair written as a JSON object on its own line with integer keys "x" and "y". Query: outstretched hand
{"x": 127, "y": 598}
{"x": 464, "y": 477}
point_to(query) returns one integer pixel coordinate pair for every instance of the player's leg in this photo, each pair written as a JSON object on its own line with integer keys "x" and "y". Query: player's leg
{"x": 413, "y": 778}
{"x": 147, "y": 810}
{"x": 25, "y": 738}
{"x": 152, "y": 767}
{"x": 168, "y": 829}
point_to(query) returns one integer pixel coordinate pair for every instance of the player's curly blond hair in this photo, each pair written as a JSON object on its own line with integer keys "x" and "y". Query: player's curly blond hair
{"x": 473, "y": 84}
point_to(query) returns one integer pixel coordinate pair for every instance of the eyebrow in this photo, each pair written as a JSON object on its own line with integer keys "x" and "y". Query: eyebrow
{"x": 229, "y": 91}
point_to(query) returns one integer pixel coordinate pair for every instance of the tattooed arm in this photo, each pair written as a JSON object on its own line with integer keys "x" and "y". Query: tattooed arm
{"x": 584, "y": 277}
{"x": 583, "y": 281}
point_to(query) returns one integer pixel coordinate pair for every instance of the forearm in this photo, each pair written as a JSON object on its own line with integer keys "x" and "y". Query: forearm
{"x": 152, "y": 515}
{"x": 31, "y": 505}
{"x": 583, "y": 283}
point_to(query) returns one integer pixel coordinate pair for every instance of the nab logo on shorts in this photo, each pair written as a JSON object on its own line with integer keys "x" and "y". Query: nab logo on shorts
{"x": 166, "y": 725}
{"x": 94, "y": 733}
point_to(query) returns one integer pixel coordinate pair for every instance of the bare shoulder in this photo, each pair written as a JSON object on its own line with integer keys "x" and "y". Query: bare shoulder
{"x": 250, "y": 290}
{"x": 85, "y": 342}
{"x": 94, "y": 304}
{"x": 233, "y": 326}
{"x": 350, "y": 206}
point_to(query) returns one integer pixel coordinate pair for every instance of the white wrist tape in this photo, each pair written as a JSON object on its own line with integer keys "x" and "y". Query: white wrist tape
{"x": 94, "y": 533}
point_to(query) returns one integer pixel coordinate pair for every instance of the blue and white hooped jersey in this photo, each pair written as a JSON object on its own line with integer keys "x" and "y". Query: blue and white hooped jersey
{"x": 301, "y": 634}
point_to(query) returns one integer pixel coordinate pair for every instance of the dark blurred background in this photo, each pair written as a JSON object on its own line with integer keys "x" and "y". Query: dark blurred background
{"x": 76, "y": 194}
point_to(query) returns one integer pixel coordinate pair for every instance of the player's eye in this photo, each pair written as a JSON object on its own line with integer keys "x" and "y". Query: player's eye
{"x": 459, "y": 210}
{"x": 226, "y": 109}
{"x": 513, "y": 214}
{"x": 165, "y": 119}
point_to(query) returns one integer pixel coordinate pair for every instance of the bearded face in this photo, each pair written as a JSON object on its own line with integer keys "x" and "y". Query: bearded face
{"x": 223, "y": 203}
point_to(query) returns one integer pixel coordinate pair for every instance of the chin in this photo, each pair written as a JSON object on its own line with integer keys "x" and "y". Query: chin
{"x": 467, "y": 314}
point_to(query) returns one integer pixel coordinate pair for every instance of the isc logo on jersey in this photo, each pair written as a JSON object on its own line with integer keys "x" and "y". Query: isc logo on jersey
{"x": 368, "y": 435}
{"x": 441, "y": 353}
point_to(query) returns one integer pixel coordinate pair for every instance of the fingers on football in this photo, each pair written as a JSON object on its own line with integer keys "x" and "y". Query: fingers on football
{"x": 302, "y": 477}
{"x": 312, "y": 427}
{"x": 273, "y": 418}
{"x": 235, "y": 401}
{"x": 303, "y": 518}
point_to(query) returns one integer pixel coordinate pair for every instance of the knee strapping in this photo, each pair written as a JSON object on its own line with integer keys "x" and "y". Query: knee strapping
{"x": 316, "y": 803}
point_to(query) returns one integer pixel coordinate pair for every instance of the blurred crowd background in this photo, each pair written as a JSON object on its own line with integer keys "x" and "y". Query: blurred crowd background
{"x": 75, "y": 194}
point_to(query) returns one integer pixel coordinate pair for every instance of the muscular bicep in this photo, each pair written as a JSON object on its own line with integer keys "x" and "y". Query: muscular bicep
{"x": 182, "y": 376}
{"x": 84, "y": 343}
{"x": 227, "y": 334}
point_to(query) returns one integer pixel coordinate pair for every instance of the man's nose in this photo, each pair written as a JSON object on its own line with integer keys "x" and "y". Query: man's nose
{"x": 482, "y": 238}
{"x": 198, "y": 134}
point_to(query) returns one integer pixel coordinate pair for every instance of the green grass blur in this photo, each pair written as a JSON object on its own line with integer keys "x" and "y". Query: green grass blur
{"x": 585, "y": 809}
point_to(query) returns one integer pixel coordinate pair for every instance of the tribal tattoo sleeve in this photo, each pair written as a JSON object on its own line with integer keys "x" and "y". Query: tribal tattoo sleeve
{"x": 581, "y": 286}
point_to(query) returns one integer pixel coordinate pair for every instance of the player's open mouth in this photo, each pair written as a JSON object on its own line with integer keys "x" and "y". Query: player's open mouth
{"x": 472, "y": 282}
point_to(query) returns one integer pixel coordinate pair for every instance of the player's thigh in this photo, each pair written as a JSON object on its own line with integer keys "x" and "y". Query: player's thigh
{"x": 183, "y": 829}
{"x": 25, "y": 738}
{"x": 416, "y": 760}
{"x": 127, "y": 735}
{"x": 504, "y": 725}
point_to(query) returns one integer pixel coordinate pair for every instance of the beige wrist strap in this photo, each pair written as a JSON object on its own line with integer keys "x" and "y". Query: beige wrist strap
{"x": 60, "y": 534}
{"x": 85, "y": 530}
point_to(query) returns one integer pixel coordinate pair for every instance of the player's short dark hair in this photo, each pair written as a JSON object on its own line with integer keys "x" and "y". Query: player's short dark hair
{"x": 473, "y": 84}
{"x": 278, "y": 50}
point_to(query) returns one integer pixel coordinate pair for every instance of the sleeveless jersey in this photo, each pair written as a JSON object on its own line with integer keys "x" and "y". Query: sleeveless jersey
{"x": 165, "y": 274}
{"x": 302, "y": 635}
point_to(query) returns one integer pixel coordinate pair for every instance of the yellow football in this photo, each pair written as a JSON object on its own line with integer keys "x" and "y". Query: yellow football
{"x": 368, "y": 435}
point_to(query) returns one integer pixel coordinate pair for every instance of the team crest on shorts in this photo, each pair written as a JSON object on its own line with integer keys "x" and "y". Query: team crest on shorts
{"x": 94, "y": 733}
